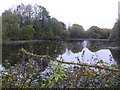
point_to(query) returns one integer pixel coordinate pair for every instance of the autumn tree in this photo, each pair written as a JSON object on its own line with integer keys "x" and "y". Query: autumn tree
{"x": 65, "y": 34}
{"x": 37, "y": 25}
{"x": 36, "y": 16}
{"x": 95, "y": 32}
{"x": 25, "y": 13}
{"x": 10, "y": 23}
{"x": 76, "y": 31}
{"x": 105, "y": 33}
{"x": 27, "y": 32}
{"x": 57, "y": 28}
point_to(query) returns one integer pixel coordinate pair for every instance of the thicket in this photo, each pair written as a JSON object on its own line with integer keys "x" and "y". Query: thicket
{"x": 29, "y": 74}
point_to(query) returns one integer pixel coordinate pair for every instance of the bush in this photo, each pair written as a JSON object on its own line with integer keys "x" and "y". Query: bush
{"x": 56, "y": 75}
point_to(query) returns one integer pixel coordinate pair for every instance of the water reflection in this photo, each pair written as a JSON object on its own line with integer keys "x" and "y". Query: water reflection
{"x": 85, "y": 43}
{"x": 87, "y": 56}
{"x": 86, "y": 51}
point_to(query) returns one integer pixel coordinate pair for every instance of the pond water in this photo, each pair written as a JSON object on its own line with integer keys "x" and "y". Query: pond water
{"x": 90, "y": 52}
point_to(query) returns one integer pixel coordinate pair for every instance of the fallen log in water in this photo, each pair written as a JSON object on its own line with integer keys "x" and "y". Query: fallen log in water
{"x": 47, "y": 56}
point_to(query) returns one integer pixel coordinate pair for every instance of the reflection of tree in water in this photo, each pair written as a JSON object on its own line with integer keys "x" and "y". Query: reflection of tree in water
{"x": 94, "y": 49}
{"x": 75, "y": 47}
{"x": 11, "y": 52}
{"x": 116, "y": 55}
{"x": 98, "y": 44}
{"x": 53, "y": 48}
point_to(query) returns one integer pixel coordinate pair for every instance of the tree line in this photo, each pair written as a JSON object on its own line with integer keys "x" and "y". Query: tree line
{"x": 27, "y": 22}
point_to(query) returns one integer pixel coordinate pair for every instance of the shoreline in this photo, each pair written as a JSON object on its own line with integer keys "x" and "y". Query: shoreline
{"x": 112, "y": 43}
{"x": 29, "y": 41}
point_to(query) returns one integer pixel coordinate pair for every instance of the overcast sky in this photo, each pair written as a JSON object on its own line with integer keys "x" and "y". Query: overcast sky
{"x": 102, "y": 13}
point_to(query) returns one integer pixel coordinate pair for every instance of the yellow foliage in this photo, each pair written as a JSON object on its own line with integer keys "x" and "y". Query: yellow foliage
{"x": 31, "y": 66}
{"x": 106, "y": 85}
{"x": 89, "y": 72}
{"x": 10, "y": 79}
{"x": 72, "y": 76}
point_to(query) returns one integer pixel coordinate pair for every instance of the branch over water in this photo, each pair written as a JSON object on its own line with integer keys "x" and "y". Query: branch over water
{"x": 47, "y": 56}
